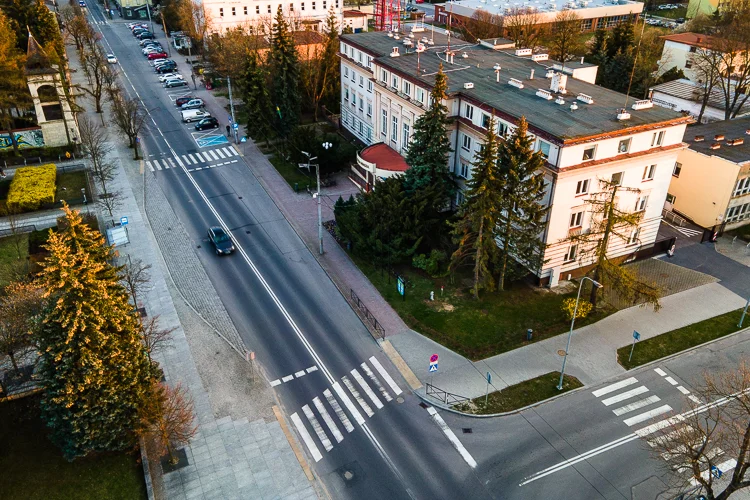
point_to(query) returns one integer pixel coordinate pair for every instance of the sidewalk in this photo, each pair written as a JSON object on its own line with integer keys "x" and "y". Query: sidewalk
{"x": 241, "y": 449}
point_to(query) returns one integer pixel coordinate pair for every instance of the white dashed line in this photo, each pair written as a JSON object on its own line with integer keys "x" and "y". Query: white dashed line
{"x": 338, "y": 411}
{"x": 356, "y": 395}
{"x": 287, "y": 378}
{"x": 312, "y": 369}
{"x": 452, "y": 438}
{"x": 660, "y": 372}
{"x": 276, "y": 382}
{"x": 300, "y": 373}
{"x": 328, "y": 420}
{"x": 317, "y": 428}
{"x": 683, "y": 390}
{"x": 306, "y": 437}
{"x": 671, "y": 380}
{"x": 394, "y": 387}
{"x": 373, "y": 397}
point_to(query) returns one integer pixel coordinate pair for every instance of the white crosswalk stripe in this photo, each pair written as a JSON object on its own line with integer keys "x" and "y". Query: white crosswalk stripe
{"x": 348, "y": 403}
{"x": 317, "y": 428}
{"x": 230, "y": 151}
{"x": 171, "y": 162}
{"x": 388, "y": 380}
{"x": 688, "y": 232}
{"x": 328, "y": 420}
{"x": 210, "y": 152}
{"x": 370, "y": 394}
{"x": 615, "y": 387}
{"x": 635, "y": 405}
{"x": 157, "y": 164}
{"x": 218, "y": 152}
{"x": 200, "y": 157}
{"x": 356, "y": 395}
{"x": 195, "y": 162}
{"x": 179, "y": 162}
{"x": 149, "y": 165}
{"x": 338, "y": 411}
{"x": 306, "y": 437}
{"x": 647, "y": 415}
{"x": 625, "y": 395}
{"x": 375, "y": 381}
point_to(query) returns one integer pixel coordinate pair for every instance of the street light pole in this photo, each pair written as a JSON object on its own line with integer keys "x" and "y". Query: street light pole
{"x": 234, "y": 121}
{"x": 744, "y": 312}
{"x": 317, "y": 195}
{"x": 572, "y": 322}
{"x": 148, "y": 9}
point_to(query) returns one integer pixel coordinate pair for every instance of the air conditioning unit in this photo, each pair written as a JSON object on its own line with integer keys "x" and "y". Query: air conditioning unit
{"x": 643, "y": 104}
{"x": 623, "y": 114}
{"x": 560, "y": 101}
{"x": 516, "y": 83}
{"x": 585, "y": 98}
{"x": 468, "y": 85}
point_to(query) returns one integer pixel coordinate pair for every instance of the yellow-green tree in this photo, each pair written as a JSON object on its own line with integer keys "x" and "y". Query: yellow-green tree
{"x": 94, "y": 367}
{"x": 14, "y": 93}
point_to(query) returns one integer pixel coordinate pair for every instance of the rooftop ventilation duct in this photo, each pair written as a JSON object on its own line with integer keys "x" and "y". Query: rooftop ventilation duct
{"x": 643, "y": 104}
{"x": 623, "y": 114}
{"x": 585, "y": 98}
{"x": 468, "y": 85}
{"x": 516, "y": 83}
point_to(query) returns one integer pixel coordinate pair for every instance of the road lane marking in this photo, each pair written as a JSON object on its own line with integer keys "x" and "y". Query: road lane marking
{"x": 328, "y": 420}
{"x": 157, "y": 164}
{"x": 201, "y": 157}
{"x": 306, "y": 437}
{"x": 370, "y": 394}
{"x": 317, "y": 428}
{"x": 625, "y": 395}
{"x": 683, "y": 390}
{"x": 218, "y": 152}
{"x": 195, "y": 162}
{"x": 287, "y": 378}
{"x": 212, "y": 154}
{"x": 312, "y": 369}
{"x": 149, "y": 165}
{"x": 724, "y": 467}
{"x": 614, "y": 387}
{"x": 452, "y": 437}
{"x": 635, "y": 405}
{"x": 356, "y": 395}
{"x": 338, "y": 411}
{"x": 172, "y": 163}
{"x": 660, "y": 372}
{"x": 671, "y": 380}
{"x": 375, "y": 381}
{"x": 647, "y": 415}
{"x": 276, "y": 382}
{"x": 388, "y": 380}
{"x": 300, "y": 373}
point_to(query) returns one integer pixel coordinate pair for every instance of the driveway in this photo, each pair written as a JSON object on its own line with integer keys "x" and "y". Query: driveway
{"x": 704, "y": 258}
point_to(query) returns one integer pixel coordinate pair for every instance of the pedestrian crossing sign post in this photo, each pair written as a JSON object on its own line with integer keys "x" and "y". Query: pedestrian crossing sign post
{"x": 636, "y": 337}
{"x": 716, "y": 471}
{"x": 487, "y": 394}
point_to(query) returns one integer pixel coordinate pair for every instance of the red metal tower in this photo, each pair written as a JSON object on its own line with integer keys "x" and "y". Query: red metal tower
{"x": 388, "y": 15}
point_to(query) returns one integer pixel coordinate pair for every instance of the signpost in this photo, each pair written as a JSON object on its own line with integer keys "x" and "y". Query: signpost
{"x": 123, "y": 221}
{"x": 636, "y": 337}
{"x": 401, "y": 286}
{"x": 716, "y": 471}
{"x": 487, "y": 394}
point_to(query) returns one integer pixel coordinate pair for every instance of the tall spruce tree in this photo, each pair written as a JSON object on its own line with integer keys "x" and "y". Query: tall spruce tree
{"x": 257, "y": 100}
{"x": 285, "y": 72}
{"x": 331, "y": 67}
{"x": 429, "y": 147}
{"x": 479, "y": 216}
{"x": 94, "y": 368}
{"x": 523, "y": 215}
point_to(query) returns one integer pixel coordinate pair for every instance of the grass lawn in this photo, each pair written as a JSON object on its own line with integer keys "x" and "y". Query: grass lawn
{"x": 680, "y": 339}
{"x": 69, "y": 185}
{"x": 520, "y": 395}
{"x": 477, "y": 329}
{"x": 291, "y": 173}
{"x": 11, "y": 267}
{"x": 34, "y": 469}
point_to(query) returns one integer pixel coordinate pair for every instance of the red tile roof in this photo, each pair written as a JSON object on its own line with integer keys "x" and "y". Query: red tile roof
{"x": 693, "y": 39}
{"x": 384, "y": 158}
{"x": 354, "y": 13}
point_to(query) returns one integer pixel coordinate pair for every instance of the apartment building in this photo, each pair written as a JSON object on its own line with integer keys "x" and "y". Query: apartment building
{"x": 711, "y": 179}
{"x": 585, "y": 131}
{"x": 223, "y": 15}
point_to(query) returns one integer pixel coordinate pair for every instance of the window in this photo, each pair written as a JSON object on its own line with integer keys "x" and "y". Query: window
{"x": 302, "y": 6}
{"x": 221, "y": 11}
{"x": 648, "y": 172}
{"x": 394, "y": 129}
{"x": 464, "y": 170}
{"x": 677, "y": 169}
{"x": 459, "y": 198}
{"x": 346, "y": 94}
{"x": 244, "y": 10}
{"x": 657, "y": 138}
{"x": 361, "y": 128}
{"x": 354, "y": 99}
{"x": 671, "y": 198}
{"x": 576, "y": 219}
{"x": 420, "y": 95}
{"x": 405, "y": 137}
{"x": 234, "y": 11}
{"x": 738, "y": 213}
{"x": 361, "y": 104}
{"x": 641, "y": 203}
{"x": 588, "y": 153}
{"x": 617, "y": 179}
{"x": 324, "y": 5}
{"x": 407, "y": 88}
{"x": 383, "y": 76}
{"x": 291, "y": 7}
{"x": 346, "y": 72}
{"x": 369, "y": 85}
{"x": 394, "y": 82}
{"x": 384, "y": 127}
{"x": 571, "y": 254}
{"x": 692, "y": 49}
{"x": 361, "y": 81}
{"x": 269, "y": 8}
{"x": 485, "y": 121}
{"x": 337, "y": 4}
{"x": 359, "y": 56}
{"x": 368, "y": 62}
{"x": 688, "y": 64}
{"x": 257, "y": 9}
{"x": 634, "y": 236}
{"x": 469, "y": 111}
{"x": 743, "y": 187}
{"x": 502, "y": 129}
{"x": 582, "y": 187}
{"x": 544, "y": 148}
{"x": 466, "y": 144}
{"x": 369, "y": 135}
{"x": 369, "y": 109}
{"x": 624, "y": 146}
{"x": 354, "y": 76}
{"x": 313, "y": 6}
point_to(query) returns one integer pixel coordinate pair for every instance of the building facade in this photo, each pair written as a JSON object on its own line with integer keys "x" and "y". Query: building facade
{"x": 711, "y": 179}
{"x": 223, "y": 15}
{"x": 581, "y": 129}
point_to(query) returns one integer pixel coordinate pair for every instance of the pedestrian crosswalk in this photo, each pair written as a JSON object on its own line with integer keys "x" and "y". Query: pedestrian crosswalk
{"x": 327, "y": 419}
{"x": 689, "y": 232}
{"x": 206, "y": 159}
{"x": 622, "y": 397}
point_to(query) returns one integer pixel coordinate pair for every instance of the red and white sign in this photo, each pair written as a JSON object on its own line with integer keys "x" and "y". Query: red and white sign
{"x": 433, "y": 359}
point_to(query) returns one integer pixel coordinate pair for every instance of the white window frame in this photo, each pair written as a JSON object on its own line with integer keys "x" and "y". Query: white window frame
{"x": 641, "y": 203}
{"x": 576, "y": 220}
{"x": 346, "y": 72}
{"x": 406, "y": 87}
{"x": 361, "y": 81}
{"x": 369, "y": 109}
{"x": 420, "y": 94}
{"x": 405, "y": 136}
{"x": 634, "y": 235}
{"x": 677, "y": 169}
{"x": 738, "y": 213}
{"x": 742, "y": 187}
{"x": 648, "y": 172}
{"x": 369, "y": 85}
{"x": 463, "y": 170}
{"x": 384, "y": 123}
{"x": 469, "y": 111}
{"x": 626, "y": 143}
{"x": 612, "y": 179}
{"x": 466, "y": 142}
{"x": 582, "y": 187}
{"x": 571, "y": 254}
{"x": 541, "y": 147}
{"x": 593, "y": 153}
{"x": 658, "y": 138}
{"x": 394, "y": 129}
{"x": 346, "y": 93}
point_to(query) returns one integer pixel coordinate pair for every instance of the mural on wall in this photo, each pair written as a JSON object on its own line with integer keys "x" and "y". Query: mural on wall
{"x": 31, "y": 138}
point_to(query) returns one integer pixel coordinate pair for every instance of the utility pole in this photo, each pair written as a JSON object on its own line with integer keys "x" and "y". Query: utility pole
{"x": 234, "y": 122}
{"x": 148, "y": 9}
{"x": 317, "y": 195}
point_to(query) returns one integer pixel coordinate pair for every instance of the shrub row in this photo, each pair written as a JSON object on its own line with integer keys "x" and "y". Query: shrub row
{"x": 32, "y": 187}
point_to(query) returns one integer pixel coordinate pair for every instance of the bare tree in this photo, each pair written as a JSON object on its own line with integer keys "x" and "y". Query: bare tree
{"x": 715, "y": 430}
{"x": 95, "y": 145}
{"x": 76, "y": 26}
{"x": 521, "y": 25}
{"x": 129, "y": 117}
{"x": 168, "y": 416}
{"x": 20, "y": 308}
{"x": 482, "y": 25}
{"x": 563, "y": 37}
{"x": 136, "y": 278}
{"x": 155, "y": 339}
{"x": 11, "y": 213}
{"x": 97, "y": 70}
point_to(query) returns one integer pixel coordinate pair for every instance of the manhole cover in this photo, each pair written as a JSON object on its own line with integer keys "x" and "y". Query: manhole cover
{"x": 399, "y": 399}
{"x": 350, "y": 473}
{"x": 561, "y": 352}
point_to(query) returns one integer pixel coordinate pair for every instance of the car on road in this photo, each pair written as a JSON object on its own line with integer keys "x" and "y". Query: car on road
{"x": 183, "y": 100}
{"x": 221, "y": 241}
{"x": 193, "y": 104}
{"x": 81, "y": 3}
{"x": 193, "y": 115}
{"x": 156, "y": 55}
{"x": 205, "y": 123}
{"x": 111, "y": 59}
{"x": 170, "y": 76}
{"x": 175, "y": 82}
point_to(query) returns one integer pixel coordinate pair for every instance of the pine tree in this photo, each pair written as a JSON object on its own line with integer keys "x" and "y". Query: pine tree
{"x": 523, "y": 215}
{"x": 622, "y": 39}
{"x": 285, "y": 72}
{"x": 257, "y": 100}
{"x": 479, "y": 216}
{"x": 429, "y": 147}
{"x": 331, "y": 97}
{"x": 617, "y": 71}
{"x": 95, "y": 371}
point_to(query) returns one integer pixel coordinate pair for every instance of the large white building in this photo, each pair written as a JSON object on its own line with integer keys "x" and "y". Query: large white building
{"x": 223, "y": 15}
{"x": 581, "y": 128}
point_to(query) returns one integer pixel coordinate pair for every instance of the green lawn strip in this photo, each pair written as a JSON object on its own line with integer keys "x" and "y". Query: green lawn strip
{"x": 520, "y": 395}
{"x": 33, "y": 467}
{"x": 477, "y": 329}
{"x": 11, "y": 266}
{"x": 678, "y": 340}
{"x": 69, "y": 185}
{"x": 291, "y": 173}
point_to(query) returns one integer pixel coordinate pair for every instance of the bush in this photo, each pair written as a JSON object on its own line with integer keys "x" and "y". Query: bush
{"x": 431, "y": 264}
{"x": 32, "y": 187}
{"x": 569, "y": 305}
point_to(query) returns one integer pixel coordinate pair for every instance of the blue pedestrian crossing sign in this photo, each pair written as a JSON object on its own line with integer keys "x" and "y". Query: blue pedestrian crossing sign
{"x": 433, "y": 367}
{"x": 636, "y": 335}
{"x": 716, "y": 471}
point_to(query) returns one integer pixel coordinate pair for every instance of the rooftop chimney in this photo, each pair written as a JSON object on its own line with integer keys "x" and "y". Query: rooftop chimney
{"x": 699, "y": 138}
{"x": 531, "y": 77}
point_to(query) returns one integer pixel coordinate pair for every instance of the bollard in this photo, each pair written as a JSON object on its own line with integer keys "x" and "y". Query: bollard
{"x": 529, "y": 334}
{"x": 296, "y": 187}
{"x": 432, "y": 295}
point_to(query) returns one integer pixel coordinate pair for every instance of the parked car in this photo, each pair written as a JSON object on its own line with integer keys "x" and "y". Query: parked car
{"x": 147, "y": 35}
{"x": 193, "y": 115}
{"x": 143, "y": 43}
{"x": 221, "y": 241}
{"x": 138, "y": 31}
{"x": 170, "y": 76}
{"x": 205, "y": 123}
{"x": 165, "y": 68}
{"x": 183, "y": 100}
{"x": 133, "y": 26}
{"x": 193, "y": 104}
{"x": 151, "y": 49}
{"x": 156, "y": 55}
{"x": 111, "y": 59}
{"x": 81, "y": 3}
{"x": 175, "y": 82}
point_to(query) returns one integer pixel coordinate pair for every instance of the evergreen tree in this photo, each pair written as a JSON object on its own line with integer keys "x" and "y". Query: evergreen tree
{"x": 331, "y": 66}
{"x": 617, "y": 70}
{"x": 479, "y": 216}
{"x": 285, "y": 72}
{"x": 622, "y": 39}
{"x": 257, "y": 100}
{"x": 429, "y": 146}
{"x": 95, "y": 371}
{"x": 523, "y": 215}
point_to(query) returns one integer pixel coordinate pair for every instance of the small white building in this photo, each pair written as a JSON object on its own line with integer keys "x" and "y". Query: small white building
{"x": 685, "y": 96}
{"x": 356, "y": 20}
{"x": 224, "y": 15}
{"x": 582, "y": 129}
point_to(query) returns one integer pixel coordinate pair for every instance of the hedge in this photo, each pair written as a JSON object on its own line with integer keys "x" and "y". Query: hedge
{"x": 32, "y": 187}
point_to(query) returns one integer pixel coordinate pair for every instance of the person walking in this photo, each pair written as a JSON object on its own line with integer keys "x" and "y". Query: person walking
{"x": 228, "y": 130}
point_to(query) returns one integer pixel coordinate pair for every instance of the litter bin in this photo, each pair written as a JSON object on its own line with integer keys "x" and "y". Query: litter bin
{"x": 529, "y": 334}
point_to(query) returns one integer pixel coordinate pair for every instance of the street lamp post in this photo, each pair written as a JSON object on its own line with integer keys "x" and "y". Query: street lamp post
{"x": 317, "y": 195}
{"x": 234, "y": 121}
{"x": 150, "y": 21}
{"x": 572, "y": 323}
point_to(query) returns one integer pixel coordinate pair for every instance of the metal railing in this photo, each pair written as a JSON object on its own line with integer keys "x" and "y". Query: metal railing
{"x": 444, "y": 396}
{"x": 377, "y": 328}
{"x": 672, "y": 217}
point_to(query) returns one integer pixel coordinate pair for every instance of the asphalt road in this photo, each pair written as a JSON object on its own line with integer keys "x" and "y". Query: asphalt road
{"x": 310, "y": 343}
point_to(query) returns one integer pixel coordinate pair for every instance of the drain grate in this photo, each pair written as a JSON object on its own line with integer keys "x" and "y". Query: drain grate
{"x": 467, "y": 430}
{"x": 423, "y": 405}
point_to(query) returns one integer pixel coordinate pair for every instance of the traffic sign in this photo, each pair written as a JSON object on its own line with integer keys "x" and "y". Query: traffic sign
{"x": 236, "y": 126}
{"x": 716, "y": 471}
{"x": 489, "y": 378}
{"x": 636, "y": 335}
{"x": 433, "y": 367}
{"x": 434, "y": 358}
{"x": 123, "y": 221}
